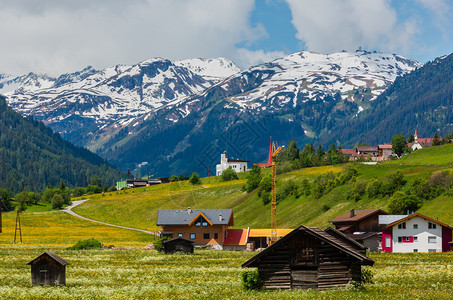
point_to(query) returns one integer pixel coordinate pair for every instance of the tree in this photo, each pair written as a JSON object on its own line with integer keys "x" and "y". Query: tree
{"x": 399, "y": 144}
{"x": 400, "y": 203}
{"x": 62, "y": 185}
{"x": 5, "y": 201}
{"x": 57, "y": 201}
{"x": 229, "y": 174}
{"x": 411, "y": 138}
{"x": 181, "y": 177}
{"x": 292, "y": 152}
{"x": 95, "y": 180}
{"x": 436, "y": 140}
{"x": 194, "y": 179}
{"x": 173, "y": 178}
{"x": 254, "y": 178}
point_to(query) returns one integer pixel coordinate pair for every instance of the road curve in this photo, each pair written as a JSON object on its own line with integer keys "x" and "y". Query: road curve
{"x": 78, "y": 202}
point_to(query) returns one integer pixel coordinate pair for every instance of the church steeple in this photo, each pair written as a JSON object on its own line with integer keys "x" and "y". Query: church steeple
{"x": 415, "y": 135}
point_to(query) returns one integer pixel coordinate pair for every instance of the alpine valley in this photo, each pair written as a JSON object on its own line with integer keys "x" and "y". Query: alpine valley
{"x": 177, "y": 117}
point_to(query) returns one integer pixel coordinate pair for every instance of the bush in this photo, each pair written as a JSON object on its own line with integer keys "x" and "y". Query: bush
{"x": 229, "y": 174}
{"x": 253, "y": 179}
{"x": 173, "y": 178}
{"x": 194, "y": 179}
{"x": 357, "y": 190}
{"x": 57, "y": 201}
{"x": 305, "y": 187}
{"x": 78, "y": 191}
{"x": 5, "y": 201}
{"x": 251, "y": 280}
{"x": 366, "y": 276}
{"x": 374, "y": 188}
{"x": 266, "y": 198}
{"x": 86, "y": 245}
{"x": 158, "y": 244}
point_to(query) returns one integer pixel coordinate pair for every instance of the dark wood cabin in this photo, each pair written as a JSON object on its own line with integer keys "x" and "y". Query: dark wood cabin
{"x": 309, "y": 257}
{"x": 48, "y": 269}
{"x": 178, "y": 244}
{"x": 358, "y": 221}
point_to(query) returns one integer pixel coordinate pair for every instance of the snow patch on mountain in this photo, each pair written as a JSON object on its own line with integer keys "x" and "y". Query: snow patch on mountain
{"x": 214, "y": 69}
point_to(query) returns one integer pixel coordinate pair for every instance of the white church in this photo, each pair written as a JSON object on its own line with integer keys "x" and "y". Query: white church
{"x": 237, "y": 165}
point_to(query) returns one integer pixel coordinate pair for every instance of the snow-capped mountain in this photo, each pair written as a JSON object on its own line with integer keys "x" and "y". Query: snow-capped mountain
{"x": 308, "y": 76}
{"x": 113, "y": 96}
{"x": 211, "y": 69}
{"x": 185, "y": 105}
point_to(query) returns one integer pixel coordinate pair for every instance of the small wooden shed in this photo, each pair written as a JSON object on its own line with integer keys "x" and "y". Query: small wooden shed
{"x": 178, "y": 244}
{"x": 309, "y": 257}
{"x": 48, "y": 269}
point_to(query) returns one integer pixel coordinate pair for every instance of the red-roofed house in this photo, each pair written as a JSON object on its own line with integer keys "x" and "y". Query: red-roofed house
{"x": 417, "y": 233}
{"x": 236, "y": 239}
{"x": 385, "y": 150}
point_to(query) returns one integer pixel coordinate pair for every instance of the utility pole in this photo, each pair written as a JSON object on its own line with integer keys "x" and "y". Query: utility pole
{"x": 18, "y": 228}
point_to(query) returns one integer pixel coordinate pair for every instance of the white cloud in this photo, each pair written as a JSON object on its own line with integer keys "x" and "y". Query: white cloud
{"x": 329, "y": 26}
{"x": 245, "y": 58}
{"x": 56, "y": 36}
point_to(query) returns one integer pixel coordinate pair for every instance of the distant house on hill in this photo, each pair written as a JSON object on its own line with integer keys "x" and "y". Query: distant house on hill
{"x": 351, "y": 153}
{"x": 420, "y": 143}
{"x": 237, "y": 165}
{"x": 202, "y": 226}
{"x": 416, "y": 233}
{"x": 385, "y": 150}
{"x": 368, "y": 150}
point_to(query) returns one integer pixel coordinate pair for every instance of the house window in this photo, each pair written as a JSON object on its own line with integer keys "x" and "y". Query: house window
{"x": 432, "y": 250}
{"x": 415, "y": 250}
{"x": 216, "y": 236}
{"x": 431, "y": 225}
{"x": 201, "y": 222}
{"x": 415, "y": 238}
{"x": 415, "y": 226}
{"x": 206, "y": 236}
{"x": 180, "y": 234}
{"x": 431, "y": 240}
{"x": 387, "y": 242}
{"x": 400, "y": 239}
{"x": 192, "y": 236}
{"x": 402, "y": 225}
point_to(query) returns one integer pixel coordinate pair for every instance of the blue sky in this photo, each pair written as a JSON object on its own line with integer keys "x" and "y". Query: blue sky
{"x": 54, "y": 37}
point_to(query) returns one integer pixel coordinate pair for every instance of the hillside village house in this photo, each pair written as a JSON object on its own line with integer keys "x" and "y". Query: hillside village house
{"x": 385, "y": 150}
{"x": 237, "y": 165}
{"x": 368, "y": 150}
{"x": 203, "y": 226}
{"x": 416, "y": 233}
{"x": 361, "y": 226}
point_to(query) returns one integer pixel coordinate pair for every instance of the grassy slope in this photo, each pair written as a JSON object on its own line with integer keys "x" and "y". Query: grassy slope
{"x": 138, "y": 207}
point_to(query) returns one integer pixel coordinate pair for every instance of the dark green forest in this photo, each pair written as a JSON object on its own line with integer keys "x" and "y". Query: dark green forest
{"x": 422, "y": 100}
{"x": 33, "y": 156}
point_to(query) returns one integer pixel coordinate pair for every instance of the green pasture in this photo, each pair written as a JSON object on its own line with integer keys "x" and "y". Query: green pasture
{"x": 208, "y": 274}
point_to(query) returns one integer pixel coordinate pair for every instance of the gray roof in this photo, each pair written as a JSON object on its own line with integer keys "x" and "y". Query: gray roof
{"x": 52, "y": 255}
{"x": 185, "y": 216}
{"x": 388, "y": 219}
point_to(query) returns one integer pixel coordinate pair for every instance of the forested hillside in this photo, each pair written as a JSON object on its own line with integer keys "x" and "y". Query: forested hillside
{"x": 422, "y": 100}
{"x": 32, "y": 155}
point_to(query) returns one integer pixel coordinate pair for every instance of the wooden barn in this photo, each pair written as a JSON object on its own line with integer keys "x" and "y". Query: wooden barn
{"x": 309, "y": 257}
{"x": 178, "y": 244}
{"x": 48, "y": 269}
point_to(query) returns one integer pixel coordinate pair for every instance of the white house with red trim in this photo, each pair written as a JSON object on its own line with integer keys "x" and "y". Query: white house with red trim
{"x": 416, "y": 233}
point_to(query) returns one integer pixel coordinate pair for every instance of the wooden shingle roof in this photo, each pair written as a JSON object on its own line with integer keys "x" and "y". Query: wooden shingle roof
{"x": 55, "y": 257}
{"x": 318, "y": 234}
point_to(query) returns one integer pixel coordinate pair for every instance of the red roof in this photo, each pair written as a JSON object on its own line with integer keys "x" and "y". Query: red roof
{"x": 386, "y": 146}
{"x": 236, "y": 237}
{"x": 349, "y": 151}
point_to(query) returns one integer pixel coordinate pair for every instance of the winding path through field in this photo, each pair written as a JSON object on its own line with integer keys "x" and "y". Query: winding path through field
{"x": 78, "y": 202}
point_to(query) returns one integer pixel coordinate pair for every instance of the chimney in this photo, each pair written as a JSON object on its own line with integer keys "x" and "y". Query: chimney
{"x": 220, "y": 217}
{"x": 351, "y": 213}
{"x": 189, "y": 211}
